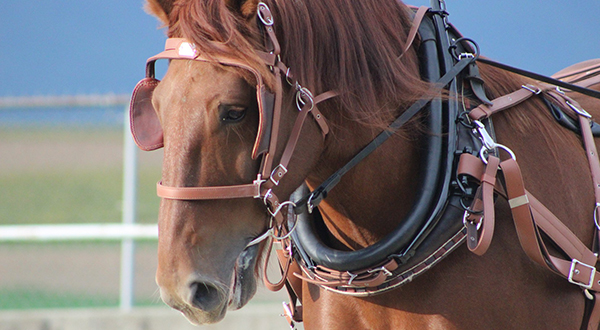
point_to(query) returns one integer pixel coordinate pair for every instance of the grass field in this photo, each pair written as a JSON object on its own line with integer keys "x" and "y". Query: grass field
{"x": 58, "y": 176}
{"x": 54, "y": 175}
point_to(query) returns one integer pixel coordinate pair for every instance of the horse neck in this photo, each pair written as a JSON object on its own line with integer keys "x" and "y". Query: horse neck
{"x": 373, "y": 197}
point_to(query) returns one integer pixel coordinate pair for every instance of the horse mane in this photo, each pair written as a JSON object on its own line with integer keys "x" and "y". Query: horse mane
{"x": 352, "y": 47}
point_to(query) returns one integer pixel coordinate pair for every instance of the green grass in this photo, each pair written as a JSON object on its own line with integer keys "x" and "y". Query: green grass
{"x": 78, "y": 194}
{"x": 74, "y": 195}
{"x": 28, "y": 298}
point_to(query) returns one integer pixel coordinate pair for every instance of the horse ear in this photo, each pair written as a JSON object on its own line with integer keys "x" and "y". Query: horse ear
{"x": 160, "y": 8}
{"x": 247, "y": 8}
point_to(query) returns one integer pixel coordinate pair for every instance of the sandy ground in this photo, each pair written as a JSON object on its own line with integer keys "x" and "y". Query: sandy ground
{"x": 87, "y": 268}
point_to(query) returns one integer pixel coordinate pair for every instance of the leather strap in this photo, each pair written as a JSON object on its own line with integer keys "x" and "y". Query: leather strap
{"x": 501, "y": 103}
{"x": 203, "y": 193}
{"x": 414, "y": 29}
{"x": 548, "y": 80}
{"x": 484, "y": 201}
{"x": 594, "y": 320}
{"x": 320, "y": 192}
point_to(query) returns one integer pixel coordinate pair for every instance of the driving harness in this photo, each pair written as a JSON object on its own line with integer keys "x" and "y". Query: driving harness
{"x": 459, "y": 178}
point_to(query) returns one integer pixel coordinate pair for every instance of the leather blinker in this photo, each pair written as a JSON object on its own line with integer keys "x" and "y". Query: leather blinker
{"x": 145, "y": 124}
{"x": 143, "y": 120}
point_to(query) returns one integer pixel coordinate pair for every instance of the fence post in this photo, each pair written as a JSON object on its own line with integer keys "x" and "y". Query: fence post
{"x": 128, "y": 215}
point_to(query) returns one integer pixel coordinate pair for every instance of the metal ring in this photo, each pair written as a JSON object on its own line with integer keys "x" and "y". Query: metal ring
{"x": 279, "y": 238}
{"x": 281, "y": 205}
{"x": 458, "y": 57}
{"x": 496, "y": 146}
{"x": 303, "y": 91}
{"x": 596, "y": 215}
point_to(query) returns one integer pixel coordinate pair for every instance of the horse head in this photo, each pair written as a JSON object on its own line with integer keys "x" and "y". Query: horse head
{"x": 209, "y": 113}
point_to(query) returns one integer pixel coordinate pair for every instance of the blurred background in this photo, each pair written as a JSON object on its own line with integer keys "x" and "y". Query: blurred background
{"x": 66, "y": 70}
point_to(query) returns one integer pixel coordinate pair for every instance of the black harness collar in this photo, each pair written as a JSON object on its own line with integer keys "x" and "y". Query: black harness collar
{"x": 435, "y": 217}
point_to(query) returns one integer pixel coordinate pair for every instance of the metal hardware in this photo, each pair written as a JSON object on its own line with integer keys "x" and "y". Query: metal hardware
{"x": 280, "y": 171}
{"x": 465, "y": 55}
{"x": 488, "y": 142}
{"x": 302, "y": 93}
{"x": 258, "y": 182}
{"x": 534, "y": 89}
{"x": 287, "y": 311}
{"x": 576, "y": 271}
{"x": 268, "y": 21}
{"x": 596, "y": 215}
{"x": 289, "y": 233}
{"x": 309, "y": 205}
{"x": 267, "y": 194}
{"x": 381, "y": 269}
{"x": 280, "y": 206}
{"x": 288, "y": 77}
{"x": 352, "y": 277}
{"x": 579, "y": 111}
{"x": 466, "y": 215}
{"x": 453, "y": 48}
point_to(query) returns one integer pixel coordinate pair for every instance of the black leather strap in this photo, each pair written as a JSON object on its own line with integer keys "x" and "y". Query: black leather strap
{"x": 321, "y": 192}
{"x": 537, "y": 76}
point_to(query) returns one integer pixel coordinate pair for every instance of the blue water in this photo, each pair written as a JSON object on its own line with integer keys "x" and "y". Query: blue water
{"x": 59, "y": 117}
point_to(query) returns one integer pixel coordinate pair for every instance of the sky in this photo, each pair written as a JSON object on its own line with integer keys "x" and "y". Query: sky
{"x": 66, "y": 47}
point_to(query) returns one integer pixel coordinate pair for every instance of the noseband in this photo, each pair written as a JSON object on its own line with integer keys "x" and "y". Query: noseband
{"x": 148, "y": 135}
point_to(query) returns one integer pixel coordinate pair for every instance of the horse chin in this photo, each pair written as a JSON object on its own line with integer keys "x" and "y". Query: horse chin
{"x": 243, "y": 283}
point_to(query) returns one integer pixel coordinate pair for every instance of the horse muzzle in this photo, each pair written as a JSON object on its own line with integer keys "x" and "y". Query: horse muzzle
{"x": 203, "y": 300}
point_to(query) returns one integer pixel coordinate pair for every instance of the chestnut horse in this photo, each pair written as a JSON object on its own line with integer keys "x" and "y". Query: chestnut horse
{"x": 213, "y": 132}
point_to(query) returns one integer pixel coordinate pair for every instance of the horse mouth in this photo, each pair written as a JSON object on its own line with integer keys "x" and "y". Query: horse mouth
{"x": 243, "y": 282}
{"x": 242, "y": 288}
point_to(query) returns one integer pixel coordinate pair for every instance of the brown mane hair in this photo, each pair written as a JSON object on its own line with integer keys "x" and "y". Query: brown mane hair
{"x": 351, "y": 47}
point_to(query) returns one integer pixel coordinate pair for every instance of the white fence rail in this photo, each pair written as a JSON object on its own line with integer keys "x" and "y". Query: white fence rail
{"x": 127, "y": 231}
{"x": 76, "y": 232}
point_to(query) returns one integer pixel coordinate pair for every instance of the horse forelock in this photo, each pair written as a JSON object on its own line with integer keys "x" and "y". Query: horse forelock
{"x": 217, "y": 31}
{"x": 351, "y": 47}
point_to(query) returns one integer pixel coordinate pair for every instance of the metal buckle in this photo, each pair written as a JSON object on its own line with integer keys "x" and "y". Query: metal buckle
{"x": 267, "y": 21}
{"x": 280, "y": 174}
{"x": 575, "y": 271}
{"x": 534, "y": 89}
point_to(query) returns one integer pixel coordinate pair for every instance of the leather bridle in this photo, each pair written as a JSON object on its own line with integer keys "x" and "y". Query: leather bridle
{"x": 147, "y": 132}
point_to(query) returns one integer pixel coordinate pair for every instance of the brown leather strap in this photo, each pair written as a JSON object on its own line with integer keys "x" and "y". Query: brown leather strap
{"x": 414, "y": 29}
{"x": 281, "y": 169}
{"x": 502, "y": 103}
{"x": 285, "y": 261}
{"x": 578, "y": 72}
{"x": 486, "y": 199}
{"x": 201, "y": 193}
{"x": 594, "y": 320}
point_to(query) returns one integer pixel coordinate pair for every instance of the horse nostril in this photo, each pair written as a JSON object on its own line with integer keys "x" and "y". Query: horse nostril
{"x": 204, "y": 296}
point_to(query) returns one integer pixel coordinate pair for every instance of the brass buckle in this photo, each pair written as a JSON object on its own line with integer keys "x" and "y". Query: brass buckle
{"x": 575, "y": 271}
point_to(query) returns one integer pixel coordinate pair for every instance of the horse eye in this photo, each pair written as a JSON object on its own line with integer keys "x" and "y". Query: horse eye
{"x": 233, "y": 114}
